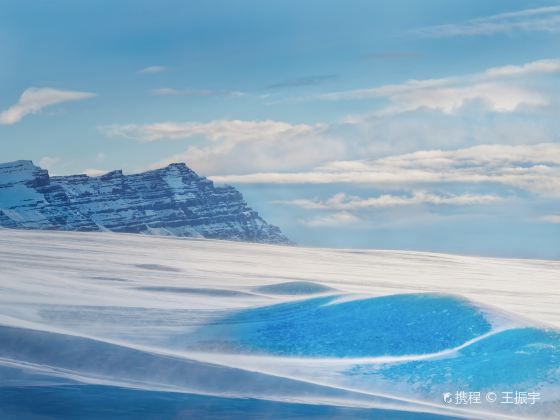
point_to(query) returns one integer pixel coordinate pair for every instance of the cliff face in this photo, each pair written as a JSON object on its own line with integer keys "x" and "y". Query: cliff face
{"x": 170, "y": 201}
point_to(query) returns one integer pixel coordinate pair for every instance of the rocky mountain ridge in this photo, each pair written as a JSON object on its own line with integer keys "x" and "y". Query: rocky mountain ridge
{"x": 171, "y": 201}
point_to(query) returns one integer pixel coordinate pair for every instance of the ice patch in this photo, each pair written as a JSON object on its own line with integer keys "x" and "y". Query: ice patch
{"x": 388, "y": 325}
{"x": 487, "y": 364}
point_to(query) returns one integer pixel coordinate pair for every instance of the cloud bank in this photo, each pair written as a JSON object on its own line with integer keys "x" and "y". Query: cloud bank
{"x": 421, "y": 115}
{"x": 535, "y": 168}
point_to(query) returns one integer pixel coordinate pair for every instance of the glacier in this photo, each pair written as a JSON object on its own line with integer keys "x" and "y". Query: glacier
{"x": 117, "y": 325}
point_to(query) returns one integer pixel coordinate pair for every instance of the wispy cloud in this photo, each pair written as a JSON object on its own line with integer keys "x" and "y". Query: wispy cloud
{"x": 499, "y": 89}
{"x": 196, "y": 93}
{"x": 343, "y": 202}
{"x": 342, "y": 209}
{"x": 543, "y": 19}
{"x": 33, "y": 100}
{"x": 231, "y": 130}
{"x": 303, "y": 81}
{"x": 334, "y": 220}
{"x": 152, "y": 70}
{"x": 551, "y": 218}
{"x": 535, "y": 168}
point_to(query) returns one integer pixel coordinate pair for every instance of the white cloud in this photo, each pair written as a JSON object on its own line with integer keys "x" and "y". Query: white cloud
{"x": 535, "y": 168}
{"x": 499, "y": 89}
{"x": 33, "y": 100}
{"x": 152, "y": 70}
{"x": 336, "y": 219}
{"x": 343, "y": 202}
{"x": 551, "y": 218}
{"x": 543, "y": 19}
{"x": 494, "y": 97}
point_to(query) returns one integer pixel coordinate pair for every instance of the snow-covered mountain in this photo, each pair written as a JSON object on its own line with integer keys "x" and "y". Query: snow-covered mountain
{"x": 169, "y": 201}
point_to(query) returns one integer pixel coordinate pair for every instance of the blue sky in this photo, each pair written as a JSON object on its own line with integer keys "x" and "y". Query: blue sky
{"x": 428, "y": 125}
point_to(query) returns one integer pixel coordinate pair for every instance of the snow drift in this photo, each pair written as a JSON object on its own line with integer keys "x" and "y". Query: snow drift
{"x": 127, "y": 326}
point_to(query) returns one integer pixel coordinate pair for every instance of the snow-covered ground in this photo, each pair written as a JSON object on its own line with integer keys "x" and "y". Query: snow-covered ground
{"x": 194, "y": 325}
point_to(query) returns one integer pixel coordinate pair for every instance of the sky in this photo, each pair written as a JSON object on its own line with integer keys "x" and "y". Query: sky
{"x": 424, "y": 125}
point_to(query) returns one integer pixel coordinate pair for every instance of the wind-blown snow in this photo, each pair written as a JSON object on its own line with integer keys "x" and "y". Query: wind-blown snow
{"x": 192, "y": 325}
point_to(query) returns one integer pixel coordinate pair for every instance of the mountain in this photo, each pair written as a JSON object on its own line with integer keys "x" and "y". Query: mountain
{"x": 171, "y": 201}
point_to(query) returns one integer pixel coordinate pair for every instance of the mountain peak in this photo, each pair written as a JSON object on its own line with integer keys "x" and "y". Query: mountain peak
{"x": 18, "y": 165}
{"x": 180, "y": 165}
{"x": 20, "y": 171}
{"x": 117, "y": 173}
